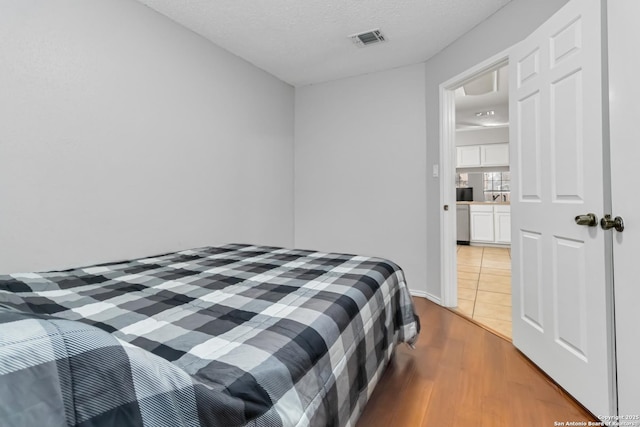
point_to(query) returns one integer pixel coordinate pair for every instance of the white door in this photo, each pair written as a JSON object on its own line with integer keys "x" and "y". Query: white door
{"x": 561, "y": 319}
{"x": 625, "y": 153}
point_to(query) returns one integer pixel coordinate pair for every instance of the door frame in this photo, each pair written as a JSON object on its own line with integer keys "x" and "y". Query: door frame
{"x": 620, "y": 23}
{"x": 448, "y": 259}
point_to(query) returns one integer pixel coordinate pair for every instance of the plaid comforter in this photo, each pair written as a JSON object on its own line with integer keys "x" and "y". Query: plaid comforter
{"x": 218, "y": 336}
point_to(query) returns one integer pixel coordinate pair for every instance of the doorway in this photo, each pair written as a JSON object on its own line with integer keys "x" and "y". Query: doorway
{"x": 479, "y": 175}
{"x": 483, "y": 195}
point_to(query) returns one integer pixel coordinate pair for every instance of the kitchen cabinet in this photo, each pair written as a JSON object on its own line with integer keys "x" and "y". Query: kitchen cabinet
{"x": 487, "y": 155}
{"x": 502, "y": 223}
{"x": 481, "y": 222}
{"x": 468, "y": 156}
{"x": 490, "y": 223}
{"x": 494, "y": 155}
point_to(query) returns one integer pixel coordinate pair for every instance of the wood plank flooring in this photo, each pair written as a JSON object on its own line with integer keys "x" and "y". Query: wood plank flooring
{"x": 462, "y": 375}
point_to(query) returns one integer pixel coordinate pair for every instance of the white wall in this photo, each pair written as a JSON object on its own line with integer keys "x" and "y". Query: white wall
{"x": 482, "y": 136}
{"x": 500, "y": 31}
{"x": 123, "y": 134}
{"x": 360, "y": 168}
{"x": 476, "y": 181}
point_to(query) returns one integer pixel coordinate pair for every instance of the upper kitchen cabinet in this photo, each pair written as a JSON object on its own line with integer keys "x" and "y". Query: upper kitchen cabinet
{"x": 494, "y": 155}
{"x": 486, "y": 155}
{"x": 468, "y": 156}
{"x": 482, "y": 147}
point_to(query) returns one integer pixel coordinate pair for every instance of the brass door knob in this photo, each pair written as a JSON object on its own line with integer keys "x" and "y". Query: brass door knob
{"x": 590, "y": 220}
{"x": 607, "y": 223}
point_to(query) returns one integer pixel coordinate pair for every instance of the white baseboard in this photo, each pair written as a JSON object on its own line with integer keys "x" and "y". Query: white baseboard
{"x": 427, "y": 295}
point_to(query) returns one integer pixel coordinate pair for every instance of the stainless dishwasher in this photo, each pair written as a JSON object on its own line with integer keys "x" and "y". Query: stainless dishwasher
{"x": 462, "y": 223}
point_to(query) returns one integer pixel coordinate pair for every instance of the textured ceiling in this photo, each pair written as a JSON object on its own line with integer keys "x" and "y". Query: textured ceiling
{"x": 305, "y": 41}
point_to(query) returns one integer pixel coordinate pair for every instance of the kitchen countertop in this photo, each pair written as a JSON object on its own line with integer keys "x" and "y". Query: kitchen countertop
{"x": 483, "y": 203}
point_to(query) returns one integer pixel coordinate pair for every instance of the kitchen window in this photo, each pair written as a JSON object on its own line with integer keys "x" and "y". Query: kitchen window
{"x": 497, "y": 186}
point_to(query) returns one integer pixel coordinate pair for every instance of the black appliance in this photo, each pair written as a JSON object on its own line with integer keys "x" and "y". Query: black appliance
{"x": 464, "y": 194}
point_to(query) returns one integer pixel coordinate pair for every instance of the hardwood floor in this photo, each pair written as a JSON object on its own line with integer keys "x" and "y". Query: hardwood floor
{"x": 462, "y": 375}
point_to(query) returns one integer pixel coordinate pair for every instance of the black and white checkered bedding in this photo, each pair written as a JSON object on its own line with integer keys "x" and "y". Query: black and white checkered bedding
{"x": 217, "y": 336}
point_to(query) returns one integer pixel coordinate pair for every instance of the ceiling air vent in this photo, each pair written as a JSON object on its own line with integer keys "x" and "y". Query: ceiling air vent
{"x": 368, "y": 37}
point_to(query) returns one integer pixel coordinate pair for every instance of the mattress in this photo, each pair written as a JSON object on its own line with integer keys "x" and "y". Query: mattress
{"x": 218, "y": 336}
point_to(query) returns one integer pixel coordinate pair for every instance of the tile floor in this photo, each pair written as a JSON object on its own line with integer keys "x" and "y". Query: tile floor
{"x": 484, "y": 286}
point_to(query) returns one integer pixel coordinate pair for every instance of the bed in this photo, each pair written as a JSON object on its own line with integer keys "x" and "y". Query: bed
{"x": 218, "y": 336}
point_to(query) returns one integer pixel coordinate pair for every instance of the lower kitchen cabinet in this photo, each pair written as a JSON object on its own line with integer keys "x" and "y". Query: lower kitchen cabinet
{"x": 481, "y": 221}
{"x": 490, "y": 223}
{"x": 502, "y": 223}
